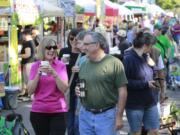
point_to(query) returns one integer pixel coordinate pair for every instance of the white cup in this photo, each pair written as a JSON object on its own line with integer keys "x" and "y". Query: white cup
{"x": 66, "y": 58}
{"x": 44, "y": 64}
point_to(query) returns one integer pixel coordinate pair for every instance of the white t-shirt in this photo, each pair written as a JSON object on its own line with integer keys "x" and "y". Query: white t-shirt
{"x": 160, "y": 64}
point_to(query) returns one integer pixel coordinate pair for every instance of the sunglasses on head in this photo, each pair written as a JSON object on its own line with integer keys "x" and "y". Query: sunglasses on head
{"x": 51, "y": 47}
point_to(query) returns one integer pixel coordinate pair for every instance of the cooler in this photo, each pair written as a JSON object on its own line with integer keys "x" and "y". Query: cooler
{"x": 11, "y": 97}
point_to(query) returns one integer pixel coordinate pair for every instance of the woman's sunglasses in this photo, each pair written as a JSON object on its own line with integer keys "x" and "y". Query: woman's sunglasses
{"x": 51, "y": 47}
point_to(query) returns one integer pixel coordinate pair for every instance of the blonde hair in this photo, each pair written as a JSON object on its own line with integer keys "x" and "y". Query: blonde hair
{"x": 42, "y": 47}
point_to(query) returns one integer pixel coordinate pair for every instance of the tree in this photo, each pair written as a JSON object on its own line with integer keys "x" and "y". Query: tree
{"x": 116, "y": 1}
{"x": 168, "y": 4}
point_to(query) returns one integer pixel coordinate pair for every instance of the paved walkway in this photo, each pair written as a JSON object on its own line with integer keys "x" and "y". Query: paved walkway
{"x": 24, "y": 109}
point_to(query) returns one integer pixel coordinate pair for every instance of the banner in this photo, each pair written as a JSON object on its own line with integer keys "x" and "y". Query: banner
{"x": 68, "y": 6}
{"x": 5, "y": 3}
{"x": 136, "y": 9}
{"x": 80, "y": 18}
{"x": 13, "y": 57}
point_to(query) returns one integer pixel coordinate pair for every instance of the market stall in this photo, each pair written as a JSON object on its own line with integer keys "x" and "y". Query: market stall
{"x": 13, "y": 13}
{"x": 9, "y": 63}
{"x": 125, "y": 13}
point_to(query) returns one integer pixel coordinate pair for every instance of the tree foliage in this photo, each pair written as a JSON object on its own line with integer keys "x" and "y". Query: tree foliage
{"x": 168, "y": 4}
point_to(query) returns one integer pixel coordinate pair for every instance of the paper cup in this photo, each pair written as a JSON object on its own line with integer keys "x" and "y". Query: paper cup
{"x": 44, "y": 64}
{"x": 66, "y": 58}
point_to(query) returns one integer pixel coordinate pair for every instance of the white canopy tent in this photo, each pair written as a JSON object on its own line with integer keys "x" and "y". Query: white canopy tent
{"x": 154, "y": 9}
{"x": 47, "y": 9}
{"x": 124, "y": 11}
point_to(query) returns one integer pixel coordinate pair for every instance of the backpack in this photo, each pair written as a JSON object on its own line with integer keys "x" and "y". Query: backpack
{"x": 12, "y": 125}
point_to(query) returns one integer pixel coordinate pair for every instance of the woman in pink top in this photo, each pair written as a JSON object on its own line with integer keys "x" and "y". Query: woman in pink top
{"x": 48, "y": 82}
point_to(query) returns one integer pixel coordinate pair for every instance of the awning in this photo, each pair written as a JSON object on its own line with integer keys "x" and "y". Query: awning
{"x": 47, "y": 9}
{"x": 154, "y": 9}
{"x": 124, "y": 10}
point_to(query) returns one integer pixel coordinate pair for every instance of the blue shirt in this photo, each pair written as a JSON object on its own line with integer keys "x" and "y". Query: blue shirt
{"x": 138, "y": 73}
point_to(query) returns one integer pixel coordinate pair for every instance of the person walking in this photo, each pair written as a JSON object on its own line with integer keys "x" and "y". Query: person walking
{"x": 103, "y": 80}
{"x": 123, "y": 43}
{"x": 37, "y": 37}
{"x": 141, "y": 106}
{"x": 48, "y": 81}
{"x": 27, "y": 54}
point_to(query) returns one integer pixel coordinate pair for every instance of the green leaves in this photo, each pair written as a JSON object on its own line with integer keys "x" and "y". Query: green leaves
{"x": 175, "y": 111}
{"x": 79, "y": 9}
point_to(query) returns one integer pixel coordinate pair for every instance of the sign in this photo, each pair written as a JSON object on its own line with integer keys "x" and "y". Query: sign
{"x": 68, "y": 6}
{"x": 136, "y": 9}
{"x": 28, "y": 12}
{"x": 80, "y": 18}
{"x": 5, "y": 3}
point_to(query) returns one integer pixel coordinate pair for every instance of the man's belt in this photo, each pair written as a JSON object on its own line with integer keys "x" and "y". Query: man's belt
{"x": 97, "y": 111}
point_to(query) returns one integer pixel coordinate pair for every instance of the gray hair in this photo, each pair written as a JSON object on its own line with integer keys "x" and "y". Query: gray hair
{"x": 80, "y": 35}
{"x": 99, "y": 38}
{"x": 42, "y": 46}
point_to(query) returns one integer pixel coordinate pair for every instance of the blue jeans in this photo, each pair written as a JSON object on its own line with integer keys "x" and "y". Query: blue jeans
{"x": 177, "y": 38}
{"x": 97, "y": 124}
{"x": 71, "y": 118}
{"x": 76, "y": 125}
{"x": 148, "y": 117}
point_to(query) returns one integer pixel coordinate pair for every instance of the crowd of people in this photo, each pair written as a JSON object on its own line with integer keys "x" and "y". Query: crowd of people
{"x": 85, "y": 88}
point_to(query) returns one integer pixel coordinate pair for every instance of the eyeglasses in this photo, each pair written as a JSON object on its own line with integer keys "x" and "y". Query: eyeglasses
{"x": 51, "y": 47}
{"x": 71, "y": 38}
{"x": 90, "y": 43}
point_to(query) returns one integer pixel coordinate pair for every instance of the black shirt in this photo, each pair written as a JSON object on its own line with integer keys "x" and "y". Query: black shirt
{"x": 73, "y": 58}
{"x": 28, "y": 44}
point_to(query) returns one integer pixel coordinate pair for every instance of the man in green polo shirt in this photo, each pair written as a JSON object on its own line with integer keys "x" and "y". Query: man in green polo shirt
{"x": 163, "y": 43}
{"x": 105, "y": 89}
